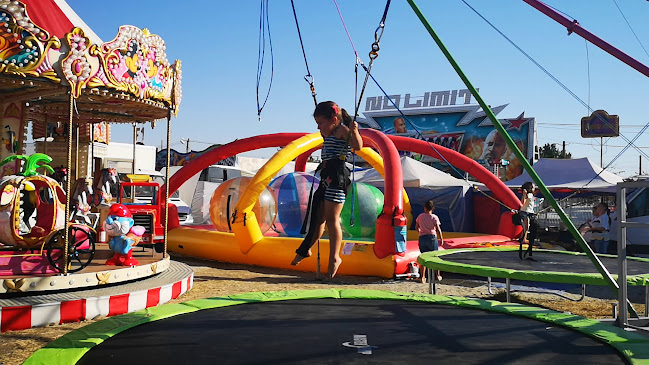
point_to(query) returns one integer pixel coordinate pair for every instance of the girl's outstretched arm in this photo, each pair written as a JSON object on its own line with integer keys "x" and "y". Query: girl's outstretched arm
{"x": 356, "y": 142}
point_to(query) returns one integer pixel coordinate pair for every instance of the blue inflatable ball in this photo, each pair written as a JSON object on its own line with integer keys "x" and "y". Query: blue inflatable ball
{"x": 368, "y": 203}
{"x": 292, "y": 193}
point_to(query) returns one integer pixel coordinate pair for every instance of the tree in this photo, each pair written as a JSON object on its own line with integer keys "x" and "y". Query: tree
{"x": 550, "y": 150}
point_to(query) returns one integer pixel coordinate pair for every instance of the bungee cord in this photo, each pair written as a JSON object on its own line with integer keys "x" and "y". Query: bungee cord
{"x": 264, "y": 27}
{"x": 373, "y": 55}
{"x": 308, "y": 77}
{"x": 631, "y": 28}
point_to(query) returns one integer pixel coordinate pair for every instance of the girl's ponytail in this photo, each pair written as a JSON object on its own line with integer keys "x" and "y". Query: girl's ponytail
{"x": 347, "y": 119}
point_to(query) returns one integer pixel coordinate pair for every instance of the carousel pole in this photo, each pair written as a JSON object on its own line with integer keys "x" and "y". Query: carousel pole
{"x": 134, "y": 140}
{"x": 67, "y": 187}
{"x": 76, "y": 158}
{"x": 92, "y": 152}
{"x": 166, "y": 222}
{"x": 168, "y": 162}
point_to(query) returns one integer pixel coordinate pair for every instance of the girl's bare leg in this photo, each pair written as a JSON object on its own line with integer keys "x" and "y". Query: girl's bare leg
{"x": 332, "y": 217}
{"x": 523, "y": 236}
{"x": 316, "y": 237}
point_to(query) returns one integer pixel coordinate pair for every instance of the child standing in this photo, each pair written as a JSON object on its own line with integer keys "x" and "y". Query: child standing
{"x": 339, "y": 133}
{"x": 528, "y": 214}
{"x": 428, "y": 226}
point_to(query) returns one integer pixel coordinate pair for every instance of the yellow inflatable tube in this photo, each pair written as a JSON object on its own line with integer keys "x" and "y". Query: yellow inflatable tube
{"x": 246, "y": 227}
{"x": 277, "y": 252}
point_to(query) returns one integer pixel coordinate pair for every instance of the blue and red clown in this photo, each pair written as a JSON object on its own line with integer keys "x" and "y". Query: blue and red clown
{"x": 119, "y": 226}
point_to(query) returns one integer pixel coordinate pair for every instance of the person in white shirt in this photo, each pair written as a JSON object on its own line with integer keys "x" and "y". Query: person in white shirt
{"x": 599, "y": 228}
{"x": 528, "y": 215}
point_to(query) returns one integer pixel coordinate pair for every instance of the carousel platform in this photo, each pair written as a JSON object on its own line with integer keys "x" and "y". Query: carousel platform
{"x": 98, "y": 290}
{"x": 96, "y": 273}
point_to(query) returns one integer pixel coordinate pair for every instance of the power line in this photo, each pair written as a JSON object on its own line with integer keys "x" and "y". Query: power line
{"x": 589, "y": 144}
{"x": 579, "y": 125}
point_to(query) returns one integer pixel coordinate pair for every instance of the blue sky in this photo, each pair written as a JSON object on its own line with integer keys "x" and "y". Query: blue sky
{"x": 217, "y": 42}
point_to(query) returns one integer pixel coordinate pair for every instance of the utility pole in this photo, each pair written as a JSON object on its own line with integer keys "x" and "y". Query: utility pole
{"x": 601, "y": 152}
{"x": 640, "y": 165}
{"x": 563, "y": 151}
{"x": 186, "y": 142}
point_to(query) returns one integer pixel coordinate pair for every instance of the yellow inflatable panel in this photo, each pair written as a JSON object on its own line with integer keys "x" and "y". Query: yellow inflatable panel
{"x": 245, "y": 226}
{"x": 276, "y": 252}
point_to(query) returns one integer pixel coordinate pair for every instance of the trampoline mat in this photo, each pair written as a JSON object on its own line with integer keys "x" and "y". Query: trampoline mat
{"x": 313, "y": 331}
{"x": 545, "y": 261}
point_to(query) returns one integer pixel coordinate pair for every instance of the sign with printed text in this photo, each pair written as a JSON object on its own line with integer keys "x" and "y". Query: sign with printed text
{"x": 600, "y": 124}
{"x": 464, "y": 128}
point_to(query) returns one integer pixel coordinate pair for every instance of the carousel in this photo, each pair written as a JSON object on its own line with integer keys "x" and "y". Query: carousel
{"x": 57, "y": 76}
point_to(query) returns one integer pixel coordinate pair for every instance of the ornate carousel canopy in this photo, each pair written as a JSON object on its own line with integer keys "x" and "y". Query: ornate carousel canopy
{"x": 125, "y": 80}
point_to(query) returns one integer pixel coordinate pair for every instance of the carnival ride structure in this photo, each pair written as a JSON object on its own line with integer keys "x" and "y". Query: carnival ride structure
{"x": 247, "y": 244}
{"x": 58, "y": 75}
{"x": 353, "y": 325}
{"x": 33, "y": 224}
{"x": 548, "y": 266}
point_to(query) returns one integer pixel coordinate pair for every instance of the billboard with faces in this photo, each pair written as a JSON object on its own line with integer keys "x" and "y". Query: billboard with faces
{"x": 464, "y": 128}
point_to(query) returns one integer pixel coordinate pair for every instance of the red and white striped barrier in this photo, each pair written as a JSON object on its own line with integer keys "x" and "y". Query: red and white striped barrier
{"x": 39, "y": 315}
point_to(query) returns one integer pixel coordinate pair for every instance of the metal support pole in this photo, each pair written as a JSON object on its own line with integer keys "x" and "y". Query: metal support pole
{"x": 646, "y": 301}
{"x": 508, "y": 288}
{"x": 433, "y": 283}
{"x": 574, "y": 27}
{"x": 623, "y": 314}
{"x": 608, "y": 278}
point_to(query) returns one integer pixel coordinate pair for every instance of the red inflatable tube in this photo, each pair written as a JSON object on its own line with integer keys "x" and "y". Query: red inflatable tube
{"x": 300, "y": 162}
{"x": 499, "y": 189}
{"x": 392, "y": 214}
{"x": 217, "y": 154}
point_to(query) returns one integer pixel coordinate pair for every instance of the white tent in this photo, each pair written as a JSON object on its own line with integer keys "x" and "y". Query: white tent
{"x": 576, "y": 174}
{"x": 415, "y": 175}
{"x": 255, "y": 163}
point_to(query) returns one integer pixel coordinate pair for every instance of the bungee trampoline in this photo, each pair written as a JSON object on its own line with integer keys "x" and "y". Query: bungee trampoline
{"x": 344, "y": 326}
{"x": 549, "y": 266}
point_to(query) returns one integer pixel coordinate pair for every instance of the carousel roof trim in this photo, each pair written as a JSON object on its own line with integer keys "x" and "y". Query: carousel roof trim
{"x": 130, "y": 75}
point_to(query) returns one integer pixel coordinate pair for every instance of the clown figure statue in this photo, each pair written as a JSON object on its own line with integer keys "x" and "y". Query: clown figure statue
{"x": 123, "y": 235}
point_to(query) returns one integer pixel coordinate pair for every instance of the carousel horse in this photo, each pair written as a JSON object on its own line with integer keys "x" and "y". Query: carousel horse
{"x": 107, "y": 186}
{"x": 83, "y": 199}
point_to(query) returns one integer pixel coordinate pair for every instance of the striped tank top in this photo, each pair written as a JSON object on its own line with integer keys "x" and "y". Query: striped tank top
{"x": 333, "y": 147}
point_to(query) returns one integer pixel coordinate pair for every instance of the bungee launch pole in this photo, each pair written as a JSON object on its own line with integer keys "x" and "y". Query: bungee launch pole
{"x": 523, "y": 160}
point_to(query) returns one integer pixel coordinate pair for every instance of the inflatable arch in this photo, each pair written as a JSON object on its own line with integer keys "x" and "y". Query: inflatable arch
{"x": 301, "y": 145}
{"x": 246, "y": 228}
{"x": 497, "y": 187}
{"x": 219, "y": 153}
